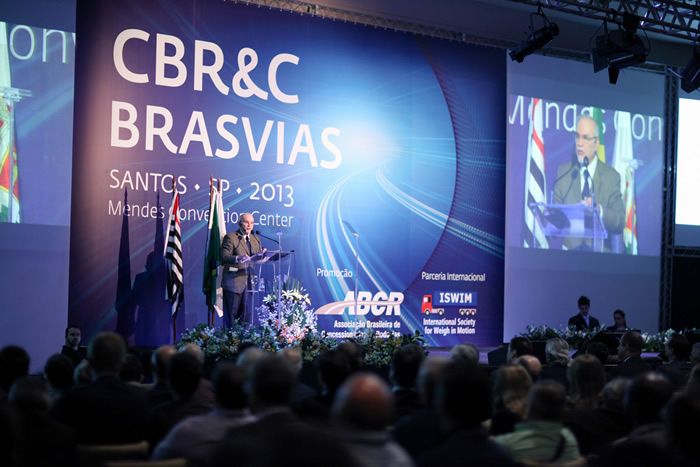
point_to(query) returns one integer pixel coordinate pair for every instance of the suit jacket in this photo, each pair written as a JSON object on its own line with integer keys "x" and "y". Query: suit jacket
{"x": 580, "y": 324}
{"x": 606, "y": 188}
{"x": 235, "y": 275}
{"x": 632, "y": 367}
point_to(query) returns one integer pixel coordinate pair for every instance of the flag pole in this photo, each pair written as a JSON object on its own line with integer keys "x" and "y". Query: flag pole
{"x": 210, "y": 308}
{"x": 174, "y": 315}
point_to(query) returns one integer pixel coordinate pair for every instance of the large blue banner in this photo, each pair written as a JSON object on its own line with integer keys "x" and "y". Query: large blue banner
{"x": 355, "y": 145}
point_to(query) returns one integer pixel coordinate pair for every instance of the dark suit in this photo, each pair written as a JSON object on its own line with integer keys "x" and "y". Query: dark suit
{"x": 236, "y": 276}
{"x": 632, "y": 366}
{"x": 606, "y": 189}
{"x": 106, "y": 411}
{"x": 580, "y": 324}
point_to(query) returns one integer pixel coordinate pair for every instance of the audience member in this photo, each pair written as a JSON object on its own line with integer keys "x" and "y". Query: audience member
{"x": 469, "y": 352}
{"x": 71, "y": 347}
{"x": 205, "y": 390}
{"x": 598, "y": 350}
{"x": 160, "y": 391}
{"x": 462, "y": 398}
{"x": 58, "y": 372}
{"x": 532, "y": 365}
{"x": 14, "y": 364}
{"x": 630, "y": 355}
{"x": 363, "y": 410}
{"x": 195, "y": 438}
{"x": 558, "y": 359}
{"x": 403, "y": 373}
{"x": 510, "y": 385}
{"x": 41, "y": 441}
{"x": 682, "y": 418}
{"x": 301, "y": 391}
{"x": 354, "y": 353}
{"x": 422, "y": 430}
{"x": 695, "y": 354}
{"x": 542, "y": 437}
{"x": 82, "y": 374}
{"x": 132, "y": 370}
{"x": 333, "y": 369}
{"x": 106, "y": 410}
{"x": 693, "y": 385}
{"x": 519, "y": 346}
{"x": 586, "y": 382}
{"x": 677, "y": 369}
{"x": 184, "y": 375}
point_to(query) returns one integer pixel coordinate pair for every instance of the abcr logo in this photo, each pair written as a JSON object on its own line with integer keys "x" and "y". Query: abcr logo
{"x": 378, "y": 304}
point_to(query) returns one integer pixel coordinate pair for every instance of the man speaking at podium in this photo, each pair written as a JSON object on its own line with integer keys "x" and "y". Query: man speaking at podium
{"x": 237, "y": 251}
{"x": 589, "y": 181}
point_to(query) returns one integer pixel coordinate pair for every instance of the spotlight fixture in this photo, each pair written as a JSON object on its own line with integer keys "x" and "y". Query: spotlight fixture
{"x": 537, "y": 38}
{"x": 619, "y": 49}
{"x": 690, "y": 76}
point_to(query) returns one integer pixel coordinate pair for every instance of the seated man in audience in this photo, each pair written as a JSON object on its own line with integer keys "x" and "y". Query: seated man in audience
{"x": 519, "y": 346}
{"x": 630, "y": 355}
{"x": 72, "y": 348}
{"x": 14, "y": 364}
{"x": 195, "y": 438}
{"x": 107, "y": 410}
{"x": 531, "y": 364}
{"x": 542, "y": 437}
{"x": 403, "y": 372}
{"x": 467, "y": 351}
{"x": 362, "y": 410}
{"x": 463, "y": 402}
{"x": 301, "y": 390}
{"x": 333, "y": 369}
{"x": 510, "y": 386}
{"x": 677, "y": 369}
{"x": 160, "y": 391}
{"x": 695, "y": 354}
{"x": 58, "y": 372}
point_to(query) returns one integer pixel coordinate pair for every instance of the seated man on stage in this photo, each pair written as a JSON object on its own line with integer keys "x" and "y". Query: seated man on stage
{"x": 237, "y": 249}
{"x": 589, "y": 181}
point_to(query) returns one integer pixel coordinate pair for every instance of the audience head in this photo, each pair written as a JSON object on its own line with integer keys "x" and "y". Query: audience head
{"x": 405, "y": 364}
{"x": 532, "y": 365}
{"x": 519, "y": 346}
{"x": 82, "y": 374}
{"x": 72, "y": 336}
{"x": 677, "y": 348}
{"x": 695, "y": 353}
{"x": 682, "y": 417}
{"x": 646, "y": 395}
{"x": 333, "y": 369}
{"x": 631, "y": 344}
{"x": 106, "y": 353}
{"x": 364, "y": 402}
{"x": 584, "y": 305}
{"x": 159, "y": 362}
{"x": 195, "y": 351}
{"x": 249, "y": 357}
{"x": 271, "y": 383}
{"x": 510, "y": 386}
{"x": 598, "y": 350}
{"x": 132, "y": 369}
{"x": 547, "y": 401}
{"x": 14, "y": 364}
{"x": 462, "y": 395}
{"x": 30, "y": 393}
{"x": 586, "y": 379}
{"x": 293, "y": 357}
{"x": 229, "y": 386}
{"x": 468, "y": 352}
{"x": 354, "y": 353}
{"x": 613, "y": 394}
{"x": 428, "y": 377}
{"x": 557, "y": 352}
{"x": 184, "y": 374}
{"x": 58, "y": 372}
{"x": 693, "y": 386}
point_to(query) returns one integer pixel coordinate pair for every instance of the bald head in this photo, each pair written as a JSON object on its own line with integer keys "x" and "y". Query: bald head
{"x": 532, "y": 364}
{"x": 364, "y": 402}
{"x": 159, "y": 361}
{"x": 195, "y": 351}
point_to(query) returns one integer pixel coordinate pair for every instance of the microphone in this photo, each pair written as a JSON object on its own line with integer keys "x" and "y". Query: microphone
{"x": 257, "y": 232}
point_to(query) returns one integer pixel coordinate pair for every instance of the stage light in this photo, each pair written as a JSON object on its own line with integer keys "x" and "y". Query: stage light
{"x": 537, "y": 38}
{"x": 619, "y": 49}
{"x": 690, "y": 76}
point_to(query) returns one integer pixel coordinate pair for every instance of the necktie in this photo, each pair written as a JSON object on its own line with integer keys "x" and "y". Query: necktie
{"x": 248, "y": 245}
{"x": 586, "y": 192}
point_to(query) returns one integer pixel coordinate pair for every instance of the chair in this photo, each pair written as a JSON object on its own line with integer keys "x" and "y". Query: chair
{"x": 96, "y": 455}
{"x": 163, "y": 463}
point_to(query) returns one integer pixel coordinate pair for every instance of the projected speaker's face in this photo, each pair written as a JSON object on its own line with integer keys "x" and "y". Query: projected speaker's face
{"x": 586, "y": 139}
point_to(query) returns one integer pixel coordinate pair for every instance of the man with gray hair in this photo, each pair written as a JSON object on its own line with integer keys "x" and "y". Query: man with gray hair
{"x": 587, "y": 180}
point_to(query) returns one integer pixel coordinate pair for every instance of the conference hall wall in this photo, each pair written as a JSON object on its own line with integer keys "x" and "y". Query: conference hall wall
{"x": 321, "y": 129}
{"x": 545, "y": 273}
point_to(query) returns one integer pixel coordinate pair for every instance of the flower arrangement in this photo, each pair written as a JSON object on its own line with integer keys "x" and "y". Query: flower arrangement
{"x": 293, "y": 319}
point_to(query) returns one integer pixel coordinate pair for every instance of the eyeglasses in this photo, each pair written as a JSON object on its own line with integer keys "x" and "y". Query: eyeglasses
{"x": 585, "y": 138}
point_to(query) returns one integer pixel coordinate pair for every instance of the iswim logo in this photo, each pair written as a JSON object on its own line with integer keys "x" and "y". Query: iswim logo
{"x": 455, "y": 298}
{"x": 426, "y": 307}
{"x": 378, "y": 304}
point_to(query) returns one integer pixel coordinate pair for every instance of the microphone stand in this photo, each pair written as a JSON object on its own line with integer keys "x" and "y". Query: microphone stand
{"x": 279, "y": 281}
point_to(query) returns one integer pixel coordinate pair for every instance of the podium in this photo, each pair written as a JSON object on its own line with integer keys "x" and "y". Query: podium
{"x": 256, "y": 283}
{"x": 571, "y": 221}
